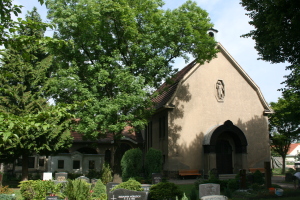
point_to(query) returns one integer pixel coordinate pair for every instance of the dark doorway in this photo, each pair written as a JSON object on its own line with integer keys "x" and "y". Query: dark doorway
{"x": 224, "y": 157}
{"x": 121, "y": 149}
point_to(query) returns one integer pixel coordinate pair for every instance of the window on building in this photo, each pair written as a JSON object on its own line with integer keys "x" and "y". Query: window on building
{"x": 76, "y": 164}
{"x": 31, "y": 161}
{"x": 60, "y": 164}
{"x": 41, "y": 162}
{"x": 91, "y": 164}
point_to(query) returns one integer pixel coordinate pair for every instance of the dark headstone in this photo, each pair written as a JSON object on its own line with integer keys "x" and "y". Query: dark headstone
{"x": 156, "y": 178}
{"x": 243, "y": 179}
{"x": 94, "y": 181}
{"x": 110, "y": 186}
{"x": 52, "y": 198}
{"x": 86, "y": 179}
{"x": 61, "y": 176}
{"x": 122, "y": 194}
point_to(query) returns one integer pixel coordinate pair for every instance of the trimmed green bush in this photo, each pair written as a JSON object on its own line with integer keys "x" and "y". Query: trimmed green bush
{"x": 78, "y": 190}
{"x": 99, "y": 191}
{"x": 131, "y": 164}
{"x": 106, "y": 172}
{"x": 7, "y": 197}
{"x": 131, "y": 184}
{"x": 165, "y": 190}
{"x": 38, "y": 189}
{"x": 153, "y": 162}
{"x": 258, "y": 177}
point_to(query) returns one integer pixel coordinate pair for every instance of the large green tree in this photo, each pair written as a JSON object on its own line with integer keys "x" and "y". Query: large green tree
{"x": 28, "y": 123}
{"x": 120, "y": 50}
{"x": 284, "y": 127}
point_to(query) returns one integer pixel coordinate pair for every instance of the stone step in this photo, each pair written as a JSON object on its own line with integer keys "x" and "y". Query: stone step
{"x": 226, "y": 176}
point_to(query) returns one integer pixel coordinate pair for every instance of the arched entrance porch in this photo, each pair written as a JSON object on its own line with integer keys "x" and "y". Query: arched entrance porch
{"x": 225, "y": 149}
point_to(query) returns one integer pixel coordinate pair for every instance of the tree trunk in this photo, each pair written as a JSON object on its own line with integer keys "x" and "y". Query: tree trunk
{"x": 283, "y": 165}
{"x": 25, "y": 159}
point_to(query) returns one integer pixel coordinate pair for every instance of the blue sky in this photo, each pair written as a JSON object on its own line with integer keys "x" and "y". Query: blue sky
{"x": 229, "y": 18}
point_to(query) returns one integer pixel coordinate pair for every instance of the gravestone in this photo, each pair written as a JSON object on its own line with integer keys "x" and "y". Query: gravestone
{"x": 86, "y": 179}
{"x": 47, "y": 176}
{"x": 209, "y": 189}
{"x": 214, "y": 197}
{"x": 122, "y": 194}
{"x": 156, "y": 178}
{"x": 52, "y": 198}
{"x": 110, "y": 186}
{"x": 94, "y": 181}
{"x": 61, "y": 176}
{"x": 146, "y": 187}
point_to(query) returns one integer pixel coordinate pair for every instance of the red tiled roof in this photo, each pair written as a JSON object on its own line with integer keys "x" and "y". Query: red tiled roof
{"x": 167, "y": 90}
{"x": 127, "y": 132}
{"x": 292, "y": 147}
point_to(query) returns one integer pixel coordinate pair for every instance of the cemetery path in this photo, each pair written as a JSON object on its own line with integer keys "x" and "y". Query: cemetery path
{"x": 278, "y": 180}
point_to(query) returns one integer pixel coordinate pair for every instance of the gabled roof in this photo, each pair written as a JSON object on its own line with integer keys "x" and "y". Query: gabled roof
{"x": 168, "y": 91}
{"x": 292, "y": 148}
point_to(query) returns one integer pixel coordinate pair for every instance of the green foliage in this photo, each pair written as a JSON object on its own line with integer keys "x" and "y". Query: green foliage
{"x": 131, "y": 163}
{"x": 38, "y": 189}
{"x": 99, "y": 191}
{"x": 258, "y": 177}
{"x": 153, "y": 162}
{"x": 5, "y": 190}
{"x": 193, "y": 194}
{"x": 93, "y": 174}
{"x": 165, "y": 190}
{"x": 7, "y": 197}
{"x": 119, "y": 49}
{"x": 77, "y": 190}
{"x": 131, "y": 184}
{"x": 106, "y": 172}
{"x": 232, "y": 184}
{"x": 228, "y": 192}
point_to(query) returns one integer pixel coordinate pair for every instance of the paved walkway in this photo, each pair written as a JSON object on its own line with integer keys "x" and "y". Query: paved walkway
{"x": 278, "y": 180}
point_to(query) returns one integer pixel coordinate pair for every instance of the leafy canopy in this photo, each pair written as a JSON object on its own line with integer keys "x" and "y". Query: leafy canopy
{"x": 118, "y": 52}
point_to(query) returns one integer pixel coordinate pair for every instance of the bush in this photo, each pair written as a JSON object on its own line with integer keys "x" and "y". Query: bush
{"x": 5, "y": 190}
{"x": 258, "y": 177}
{"x": 106, "y": 172}
{"x": 78, "y": 189}
{"x": 193, "y": 194}
{"x": 233, "y": 184}
{"x": 153, "y": 162}
{"x": 7, "y": 197}
{"x": 99, "y": 191}
{"x": 131, "y": 184}
{"x": 38, "y": 189}
{"x": 165, "y": 190}
{"x": 131, "y": 164}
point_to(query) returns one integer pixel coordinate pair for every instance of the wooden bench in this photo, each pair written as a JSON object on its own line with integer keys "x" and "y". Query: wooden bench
{"x": 252, "y": 170}
{"x": 189, "y": 172}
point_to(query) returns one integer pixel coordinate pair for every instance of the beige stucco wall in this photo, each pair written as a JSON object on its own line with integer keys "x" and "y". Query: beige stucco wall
{"x": 197, "y": 111}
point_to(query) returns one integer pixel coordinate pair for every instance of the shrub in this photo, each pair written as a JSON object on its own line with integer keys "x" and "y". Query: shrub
{"x": 93, "y": 174}
{"x": 99, "y": 191}
{"x": 193, "y": 194}
{"x": 233, "y": 184}
{"x": 165, "y": 190}
{"x": 131, "y": 164}
{"x": 78, "y": 189}
{"x": 106, "y": 176}
{"x": 258, "y": 177}
{"x": 153, "y": 162}
{"x": 38, "y": 189}
{"x": 131, "y": 184}
{"x": 7, "y": 197}
{"x": 5, "y": 190}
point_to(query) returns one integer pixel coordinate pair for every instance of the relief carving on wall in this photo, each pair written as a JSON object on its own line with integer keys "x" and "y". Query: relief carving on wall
{"x": 220, "y": 90}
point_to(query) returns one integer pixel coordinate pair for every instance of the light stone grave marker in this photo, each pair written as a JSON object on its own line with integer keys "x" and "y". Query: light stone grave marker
{"x": 122, "y": 194}
{"x": 47, "y": 176}
{"x": 214, "y": 197}
{"x": 110, "y": 186}
{"x": 146, "y": 187}
{"x": 52, "y": 198}
{"x": 209, "y": 189}
{"x": 86, "y": 179}
{"x": 61, "y": 176}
